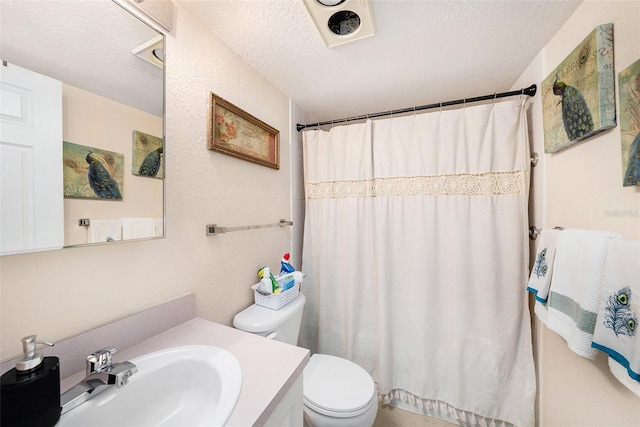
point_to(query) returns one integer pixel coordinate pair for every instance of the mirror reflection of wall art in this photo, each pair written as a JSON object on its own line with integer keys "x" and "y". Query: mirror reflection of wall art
{"x": 147, "y": 155}
{"x": 629, "y": 90}
{"x": 237, "y": 133}
{"x": 578, "y": 97}
{"x": 92, "y": 173}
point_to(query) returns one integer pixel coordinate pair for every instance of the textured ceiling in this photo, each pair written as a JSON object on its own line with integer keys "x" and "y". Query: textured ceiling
{"x": 86, "y": 44}
{"x": 423, "y": 51}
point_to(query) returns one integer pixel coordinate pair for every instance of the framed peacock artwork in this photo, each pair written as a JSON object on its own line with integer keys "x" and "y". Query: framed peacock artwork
{"x": 148, "y": 152}
{"x": 629, "y": 92}
{"x": 578, "y": 97}
{"x": 92, "y": 173}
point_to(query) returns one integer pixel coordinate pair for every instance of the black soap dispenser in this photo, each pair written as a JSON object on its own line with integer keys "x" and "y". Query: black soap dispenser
{"x": 30, "y": 392}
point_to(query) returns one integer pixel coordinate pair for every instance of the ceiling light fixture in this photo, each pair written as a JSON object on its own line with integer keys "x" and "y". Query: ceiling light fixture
{"x": 330, "y": 2}
{"x": 152, "y": 51}
{"x": 341, "y": 21}
{"x": 159, "y": 54}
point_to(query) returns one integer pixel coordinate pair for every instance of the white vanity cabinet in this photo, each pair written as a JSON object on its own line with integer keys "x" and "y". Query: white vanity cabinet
{"x": 289, "y": 411}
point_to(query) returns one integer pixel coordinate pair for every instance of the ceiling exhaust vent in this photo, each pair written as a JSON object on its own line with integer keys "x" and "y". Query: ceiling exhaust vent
{"x": 341, "y": 21}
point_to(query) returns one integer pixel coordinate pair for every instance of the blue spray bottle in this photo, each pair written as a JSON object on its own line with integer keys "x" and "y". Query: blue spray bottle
{"x": 285, "y": 267}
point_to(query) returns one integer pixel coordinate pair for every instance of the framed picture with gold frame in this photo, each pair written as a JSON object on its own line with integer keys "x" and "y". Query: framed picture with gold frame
{"x": 235, "y": 132}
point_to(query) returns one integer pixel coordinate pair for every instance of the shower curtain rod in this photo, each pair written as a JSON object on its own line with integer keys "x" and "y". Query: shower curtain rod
{"x": 530, "y": 91}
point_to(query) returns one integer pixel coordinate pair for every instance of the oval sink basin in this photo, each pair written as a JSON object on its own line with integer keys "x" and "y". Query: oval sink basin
{"x": 180, "y": 386}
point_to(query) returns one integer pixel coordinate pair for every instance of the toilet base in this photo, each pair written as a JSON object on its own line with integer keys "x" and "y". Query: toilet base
{"x": 366, "y": 419}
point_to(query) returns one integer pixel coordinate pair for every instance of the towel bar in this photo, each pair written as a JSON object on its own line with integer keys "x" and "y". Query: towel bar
{"x": 214, "y": 229}
{"x": 534, "y": 231}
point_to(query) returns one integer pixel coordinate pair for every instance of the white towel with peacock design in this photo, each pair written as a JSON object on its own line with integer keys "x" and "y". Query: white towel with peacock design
{"x": 574, "y": 295}
{"x": 616, "y": 332}
{"x": 542, "y": 271}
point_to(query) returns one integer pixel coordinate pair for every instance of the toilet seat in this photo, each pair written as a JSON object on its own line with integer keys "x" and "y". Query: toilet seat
{"x": 337, "y": 387}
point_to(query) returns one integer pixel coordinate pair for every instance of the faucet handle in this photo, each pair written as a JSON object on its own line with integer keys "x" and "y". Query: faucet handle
{"x": 99, "y": 360}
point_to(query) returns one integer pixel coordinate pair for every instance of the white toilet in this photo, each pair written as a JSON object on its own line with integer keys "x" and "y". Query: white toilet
{"x": 336, "y": 391}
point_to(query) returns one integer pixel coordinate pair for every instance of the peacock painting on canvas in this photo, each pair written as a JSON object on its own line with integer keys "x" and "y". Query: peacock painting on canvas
{"x": 629, "y": 90}
{"x": 578, "y": 97}
{"x": 92, "y": 173}
{"x": 148, "y": 154}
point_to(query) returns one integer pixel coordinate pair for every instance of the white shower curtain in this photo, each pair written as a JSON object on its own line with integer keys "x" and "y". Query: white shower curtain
{"x": 415, "y": 250}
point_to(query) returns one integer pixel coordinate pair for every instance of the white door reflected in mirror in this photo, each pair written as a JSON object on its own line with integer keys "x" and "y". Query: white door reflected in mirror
{"x": 31, "y": 202}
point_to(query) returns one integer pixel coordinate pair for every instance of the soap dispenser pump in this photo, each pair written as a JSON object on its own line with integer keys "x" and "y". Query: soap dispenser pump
{"x": 30, "y": 392}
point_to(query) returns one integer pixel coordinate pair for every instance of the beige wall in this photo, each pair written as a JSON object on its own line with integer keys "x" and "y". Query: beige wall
{"x": 99, "y": 122}
{"x": 60, "y": 293}
{"x": 581, "y": 187}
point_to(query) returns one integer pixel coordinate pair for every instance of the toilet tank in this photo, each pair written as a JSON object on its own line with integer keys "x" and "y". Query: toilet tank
{"x": 281, "y": 325}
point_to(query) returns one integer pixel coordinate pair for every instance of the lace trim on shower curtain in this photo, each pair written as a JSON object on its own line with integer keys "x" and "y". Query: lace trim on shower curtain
{"x": 491, "y": 183}
{"x": 439, "y": 409}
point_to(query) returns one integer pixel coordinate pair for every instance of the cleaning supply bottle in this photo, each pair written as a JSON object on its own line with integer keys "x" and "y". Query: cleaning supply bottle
{"x": 30, "y": 392}
{"x": 265, "y": 272}
{"x": 266, "y": 287}
{"x": 285, "y": 267}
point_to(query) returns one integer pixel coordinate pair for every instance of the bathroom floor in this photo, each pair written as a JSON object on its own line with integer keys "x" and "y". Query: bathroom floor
{"x": 390, "y": 416}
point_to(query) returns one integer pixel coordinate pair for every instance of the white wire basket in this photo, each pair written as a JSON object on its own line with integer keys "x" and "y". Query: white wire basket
{"x": 277, "y": 301}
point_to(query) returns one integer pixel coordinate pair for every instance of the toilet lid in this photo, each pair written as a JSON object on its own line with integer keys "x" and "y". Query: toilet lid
{"x": 336, "y": 385}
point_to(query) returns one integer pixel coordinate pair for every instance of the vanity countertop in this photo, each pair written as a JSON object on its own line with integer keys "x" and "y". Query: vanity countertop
{"x": 263, "y": 387}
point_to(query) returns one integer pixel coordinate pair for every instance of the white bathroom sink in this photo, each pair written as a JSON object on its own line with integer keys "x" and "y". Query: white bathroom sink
{"x": 180, "y": 386}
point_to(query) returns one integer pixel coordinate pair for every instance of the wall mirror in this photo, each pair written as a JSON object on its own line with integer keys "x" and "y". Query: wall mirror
{"x": 100, "y": 71}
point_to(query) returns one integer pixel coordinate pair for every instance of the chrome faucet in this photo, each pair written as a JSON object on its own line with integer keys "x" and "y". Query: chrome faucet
{"x": 101, "y": 375}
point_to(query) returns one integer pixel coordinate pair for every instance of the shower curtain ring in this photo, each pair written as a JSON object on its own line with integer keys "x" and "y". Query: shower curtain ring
{"x": 523, "y": 96}
{"x": 441, "y": 107}
{"x": 495, "y": 95}
{"x": 414, "y": 111}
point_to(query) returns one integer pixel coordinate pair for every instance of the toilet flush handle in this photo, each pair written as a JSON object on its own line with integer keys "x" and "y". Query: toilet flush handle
{"x": 272, "y": 335}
